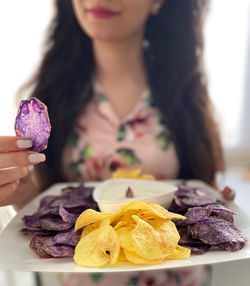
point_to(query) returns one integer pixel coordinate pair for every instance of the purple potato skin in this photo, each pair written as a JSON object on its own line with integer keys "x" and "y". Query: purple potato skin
{"x": 32, "y": 122}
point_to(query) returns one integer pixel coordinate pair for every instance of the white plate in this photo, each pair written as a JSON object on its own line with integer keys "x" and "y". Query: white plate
{"x": 15, "y": 253}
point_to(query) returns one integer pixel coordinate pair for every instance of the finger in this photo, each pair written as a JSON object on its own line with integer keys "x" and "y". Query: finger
{"x": 21, "y": 158}
{"x": 228, "y": 193}
{"x": 7, "y": 193}
{"x": 14, "y": 143}
{"x": 13, "y": 174}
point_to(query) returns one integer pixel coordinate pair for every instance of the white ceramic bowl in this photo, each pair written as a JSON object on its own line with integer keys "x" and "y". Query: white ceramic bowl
{"x": 111, "y": 194}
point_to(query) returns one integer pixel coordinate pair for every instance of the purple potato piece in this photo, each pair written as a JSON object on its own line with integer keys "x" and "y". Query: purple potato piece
{"x": 59, "y": 251}
{"x": 186, "y": 197}
{"x": 196, "y": 245}
{"x": 44, "y": 247}
{"x": 232, "y": 246}
{"x": 220, "y": 211}
{"x": 32, "y": 221}
{"x": 218, "y": 232}
{"x": 177, "y": 206}
{"x": 198, "y": 249}
{"x": 31, "y": 232}
{"x": 54, "y": 222}
{"x": 67, "y": 216}
{"x": 68, "y": 237}
{"x": 192, "y": 216}
{"x": 46, "y": 201}
{"x": 37, "y": 245}
{"x": 197, "y": 201}
{"x": 32, "y": 122}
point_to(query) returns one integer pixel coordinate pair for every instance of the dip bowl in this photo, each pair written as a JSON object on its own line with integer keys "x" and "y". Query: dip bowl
{"x": 111, "y": 194}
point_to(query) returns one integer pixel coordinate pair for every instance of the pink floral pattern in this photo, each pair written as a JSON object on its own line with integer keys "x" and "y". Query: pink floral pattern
{"x": 101, "y": 142}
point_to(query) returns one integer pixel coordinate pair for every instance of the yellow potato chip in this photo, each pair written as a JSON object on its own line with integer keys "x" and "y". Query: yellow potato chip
{"x": 152, "y": 209}
{"x": 87, "y": 229}
{"x": 163, "y": 213}
{"x": 148, "y": 242}
{"x": 117, "y": 225}
{"x": 125, "y": 237}
{"x": 126, "y": 173}
{"x": 90, "y": 216}
{"x": 136, "y": 259}
{"x": 147, "y": 177}
{"x": 122, "y": 256}
{"x": 180, "y": 252}
{"x": 168, "y": 233}
{"x": 125, "y": 216}
{"x": 97, "y": 248}
{"x": 123, "y": 173}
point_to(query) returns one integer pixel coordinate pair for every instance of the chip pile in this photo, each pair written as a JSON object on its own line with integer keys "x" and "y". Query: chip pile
{"x": 52, "y": 225}
{"x": 208, "y": 223}
{"x": 140, "y": 233}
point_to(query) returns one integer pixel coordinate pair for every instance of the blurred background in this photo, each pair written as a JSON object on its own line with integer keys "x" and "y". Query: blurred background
{"x": 227, "y": 61}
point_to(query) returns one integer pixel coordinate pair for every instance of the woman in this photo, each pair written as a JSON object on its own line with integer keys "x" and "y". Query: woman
{"x": 124, "y": 87}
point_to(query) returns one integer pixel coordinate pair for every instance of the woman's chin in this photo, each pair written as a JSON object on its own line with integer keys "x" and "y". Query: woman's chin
{"x": 105, "y": 35}
{"x": 104, "y": 38}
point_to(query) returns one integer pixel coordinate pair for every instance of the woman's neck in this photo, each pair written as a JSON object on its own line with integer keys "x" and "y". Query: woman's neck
{"x": 120, "y": 61}
{"x": 121, "y": 73}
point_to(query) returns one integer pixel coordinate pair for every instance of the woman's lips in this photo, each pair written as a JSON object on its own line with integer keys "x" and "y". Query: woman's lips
{"x": 101, "y": 12}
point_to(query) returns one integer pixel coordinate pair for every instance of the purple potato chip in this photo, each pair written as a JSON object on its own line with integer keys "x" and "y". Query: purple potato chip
{"x": 32, "y": 122}
{"x": 218, "y": 232}
{"x": 37, "y": 245}
{"x": 68, "y": 237}
{"x": 46, "y": 201}
{"x": 67, "y": 216}
{"x": 44, "y": 247}
{"x": 192, "y": 216}
{"x": 60, "y": 251}
{"x": 54, "y": 222}
{"x": 220, "y": 211}
{"x": 198, "y": 249}
{"x": 31, "y": 232}
{"x": 32, "y": 221}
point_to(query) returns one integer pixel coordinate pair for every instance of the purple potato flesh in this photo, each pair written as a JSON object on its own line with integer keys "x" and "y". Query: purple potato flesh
{"x": 54, "y": 223}
{"x": 220, "y": 211}
{"x": 32, "y": 232}
{"x": 32, "y": 122}
{"x": 67, "y": 216}
{"x": 68, "y": 237}
{"x": 192, "y": 216}
{"x": 44, "y": 247}
{"x": 60, "y": 251}
{"x": 218, "y": 232}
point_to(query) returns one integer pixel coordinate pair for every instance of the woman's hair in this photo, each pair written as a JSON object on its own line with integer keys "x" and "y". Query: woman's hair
{"x": 176, "y": 78}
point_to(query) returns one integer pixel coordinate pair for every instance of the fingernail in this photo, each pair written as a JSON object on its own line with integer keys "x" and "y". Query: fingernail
{"x": 18, "y": 182}
{"x": 36, "y": 158}
{"x": 24, "y": 143}
{"x": 30, "y": 168}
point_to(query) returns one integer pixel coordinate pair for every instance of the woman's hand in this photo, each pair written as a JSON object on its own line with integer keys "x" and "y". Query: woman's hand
{"x": 16, "y": 163}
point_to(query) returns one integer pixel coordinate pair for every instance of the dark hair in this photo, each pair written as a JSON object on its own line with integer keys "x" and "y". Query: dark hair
{"x": 174, "y": 66}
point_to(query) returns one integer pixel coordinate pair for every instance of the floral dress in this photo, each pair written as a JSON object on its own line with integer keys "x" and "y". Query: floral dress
{"x": 100, "y": 143}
